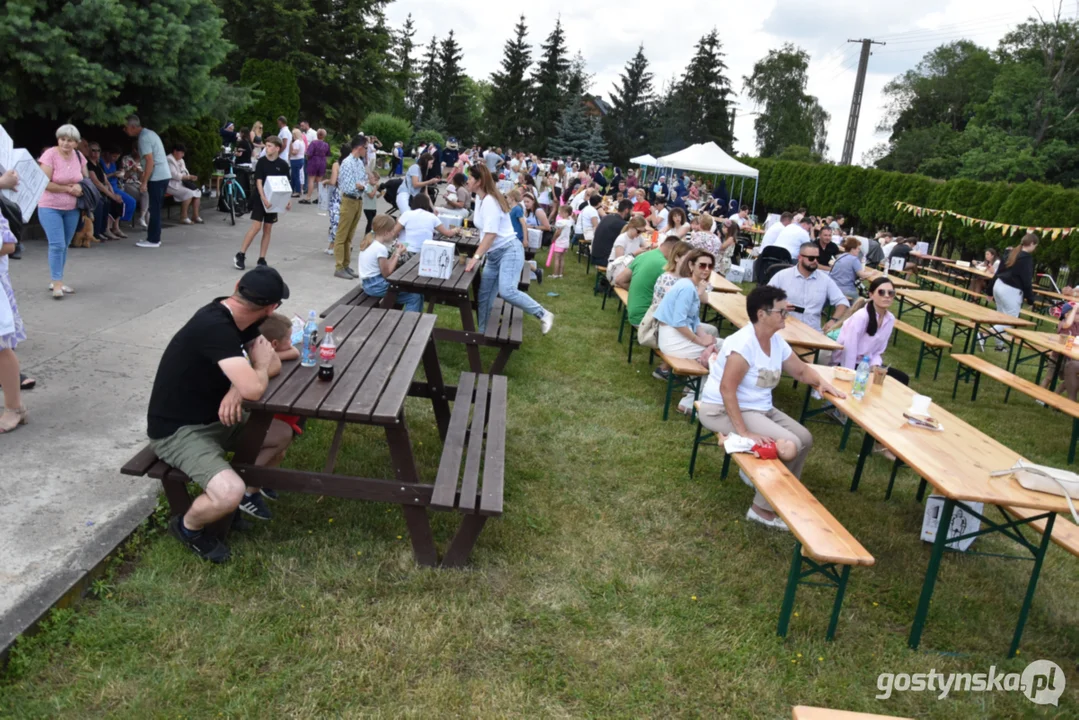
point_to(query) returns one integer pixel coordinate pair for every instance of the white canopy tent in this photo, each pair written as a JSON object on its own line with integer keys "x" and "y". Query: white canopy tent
{"x": 710, "y": 159}
{"x": 645, "y": 159}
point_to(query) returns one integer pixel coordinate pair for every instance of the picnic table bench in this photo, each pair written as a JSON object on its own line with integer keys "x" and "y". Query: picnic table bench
{"x": 685, "y": 373}
{"x": 1065, "y": 533}
{"x": 354, "y": 297}
{"x": 931, "y": 345}
{"x": 983, "y": 367}
{"x": 378, "y": 354}
{"x": 803, "y": 712}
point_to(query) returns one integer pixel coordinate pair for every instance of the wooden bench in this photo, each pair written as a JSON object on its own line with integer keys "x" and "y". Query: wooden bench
{"x": 356, "y": 296}
{"x": 1038, "y": 318}
{"x": 584, "y": 248}
{"x": 931, "y": 345}
{"x": 505, "y": 330}
{"x": 983, "y": 367}
{"x": 956, "y": 289}
{"x": 804, "y": 712}
{"x": 478, "y": 422}
{"x": 602, "y": 284}
{"x": 526, "y": 278}
{"x": 1065, "y": 532}
{"x": 685, "y": 373}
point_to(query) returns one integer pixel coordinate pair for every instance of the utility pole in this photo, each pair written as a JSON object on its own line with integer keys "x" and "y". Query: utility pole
{"x": 856, "y": 101}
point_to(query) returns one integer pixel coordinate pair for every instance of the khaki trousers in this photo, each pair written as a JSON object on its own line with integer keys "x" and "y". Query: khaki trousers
{"x": 351, "y": 212}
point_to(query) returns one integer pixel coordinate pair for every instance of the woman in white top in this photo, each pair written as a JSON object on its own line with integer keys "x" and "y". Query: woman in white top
{"x": 677, "y": 224}
{"x": 737, "y": 397}
{"x": 504, "y": 253}
{"x": 631, "y": 241}
{"x": 411, "y": 186}
{"x": 419, "y": 225}
{"x": 186, "y": 196}
{"x": 297, "y": 154}
{"x": 376, "y": 263}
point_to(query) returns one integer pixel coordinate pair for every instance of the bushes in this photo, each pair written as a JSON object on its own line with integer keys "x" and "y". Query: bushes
{"x": 276, "y": 93}
{"x": 387, "y": 128}
{"x": 425, "y": 136}
{"x": 867, "y": 196}
{"x": 202, "y": 142}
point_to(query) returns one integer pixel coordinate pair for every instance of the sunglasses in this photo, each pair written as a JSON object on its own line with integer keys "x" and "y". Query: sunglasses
{"x": 811, "y": 258}
{"x": 705, "y": 266}
{"x": 886, "y": 293}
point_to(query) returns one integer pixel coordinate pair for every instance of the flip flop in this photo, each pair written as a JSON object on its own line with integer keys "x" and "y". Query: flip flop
{"x": 26, "y": 383}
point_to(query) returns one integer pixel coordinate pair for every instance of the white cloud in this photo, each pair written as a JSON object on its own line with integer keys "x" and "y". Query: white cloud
{"x": 608, "y": 35}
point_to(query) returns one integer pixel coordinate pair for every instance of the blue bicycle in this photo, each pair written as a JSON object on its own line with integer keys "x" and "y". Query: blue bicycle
{"x": 233, "y": 197}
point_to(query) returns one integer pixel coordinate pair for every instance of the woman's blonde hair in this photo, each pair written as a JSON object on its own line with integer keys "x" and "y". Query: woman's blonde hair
{"x": 635, "y": 223}
{"x": 297, "y": 135}
{"x": 69, "y": 132}
{"x": 514, "y": 195}
{"x": 482, "y": 175}
{"x": 381, "y": 225}
{"x": 705, "y": 221}
{"x": 677, "y": 253}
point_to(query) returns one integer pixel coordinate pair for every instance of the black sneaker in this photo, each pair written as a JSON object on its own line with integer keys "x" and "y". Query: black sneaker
{"x": 269, "y": 493}
{"x": 262, "y": 262}
{"x": 203, "y": 544}
{"x": 17, "y": 255}
{"x": 255, "y": 506}
{"x": 238, "y": 263}
{"x": 661, "y": 374}
{"x": 539, "y": 276}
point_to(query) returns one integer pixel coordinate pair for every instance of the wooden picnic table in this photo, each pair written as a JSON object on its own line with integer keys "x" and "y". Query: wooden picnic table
{"x": 797, "y": 334}
{"x": 957, "y": 462}
{"x": 897, "y": 281}
{"x": 455, "y": 291}
{"x": 930, "y": 301}
{"x": 721, "y": 284}
{"x": 970, "y": 269}
{"x": 1042, "y": 345}
{"x": 1051, "y": 294}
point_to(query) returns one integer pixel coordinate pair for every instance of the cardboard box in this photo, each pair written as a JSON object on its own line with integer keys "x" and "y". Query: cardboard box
{"x": 437, "y": 259}
{"x": 535, "y": 238}
{"x": 737, "y": 274}
{"x": 962, "y": 522}
{"x": 278, "y": 191}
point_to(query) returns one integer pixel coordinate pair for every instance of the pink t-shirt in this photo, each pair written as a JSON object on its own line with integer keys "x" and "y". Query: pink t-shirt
{"x": 65, "y": 172}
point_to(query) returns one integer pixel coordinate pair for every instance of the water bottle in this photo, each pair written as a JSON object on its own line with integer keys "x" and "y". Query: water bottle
{"x": 327, "y": 352}
{"x": 308, "y": 358}
{"x": 861, "y": 378}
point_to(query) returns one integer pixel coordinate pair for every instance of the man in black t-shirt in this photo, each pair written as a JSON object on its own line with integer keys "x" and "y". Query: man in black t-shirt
{"x": 828, "y": 249}
{"x": 215, "y": 362}
{"x": 268, "y": 165}
{"x": 608, "y": 230}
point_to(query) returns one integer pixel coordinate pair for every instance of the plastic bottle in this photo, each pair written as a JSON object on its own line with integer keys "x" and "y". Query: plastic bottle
{"x": 308, "y": 357}
{"x": 861, "y": 378}
{"x": 327, "y": 351}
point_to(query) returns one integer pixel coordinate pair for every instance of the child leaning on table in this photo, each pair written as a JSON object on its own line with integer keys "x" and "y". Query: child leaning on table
{"x": 277, "y": 329}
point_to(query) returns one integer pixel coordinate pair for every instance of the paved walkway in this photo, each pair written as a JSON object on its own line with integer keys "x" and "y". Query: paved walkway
{"x": 94, "y": 354}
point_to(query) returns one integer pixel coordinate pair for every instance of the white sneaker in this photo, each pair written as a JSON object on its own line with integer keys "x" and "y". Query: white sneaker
{"x": 745, "y": 478}
{"x": 328, "y": 251}
{"x": 775, "y": 523}
{"x": 144, "y": 244}
{"x": 186, "y": 221}
{"x": 547, "y": 321}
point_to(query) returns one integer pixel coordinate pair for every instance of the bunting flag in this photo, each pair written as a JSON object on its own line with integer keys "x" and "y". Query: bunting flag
{"x": 1005, "y": 229}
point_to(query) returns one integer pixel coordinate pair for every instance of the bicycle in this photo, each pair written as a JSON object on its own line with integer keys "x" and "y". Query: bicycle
{"x": 233, "y": 196}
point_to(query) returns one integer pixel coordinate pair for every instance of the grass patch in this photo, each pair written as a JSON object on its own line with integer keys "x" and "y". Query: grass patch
{"x": 613, "y": 586}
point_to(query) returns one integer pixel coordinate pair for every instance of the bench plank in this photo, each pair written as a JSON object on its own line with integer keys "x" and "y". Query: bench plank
{"x": 1023, "y": 385}
{"x": 449, "y": 467}
{"x": 804, "y": 712}
{"x": 683, "y": 366}
{"x": 470, "y": 480}
{"x": 370, "y": 392}
{"x": 397, "y": 389}
{"x": 141, "y": 463}
{"x": 622, "y": 294}
{"x": 930, "y": 340}
{"x": 823, "y": 538}
{"x": 1065, "y": 532}
{"x": 494, "y": 463}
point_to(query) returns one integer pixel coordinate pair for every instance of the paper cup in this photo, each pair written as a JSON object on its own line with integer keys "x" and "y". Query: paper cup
{"x": 879, "y": 373}
{"x": 919, "y": 405}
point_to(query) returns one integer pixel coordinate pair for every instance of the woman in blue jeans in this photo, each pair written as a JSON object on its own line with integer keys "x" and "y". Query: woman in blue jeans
{"x": 65, "y": 168}
{"x": 504, "y": 253}
{"x": 376, "y": 263}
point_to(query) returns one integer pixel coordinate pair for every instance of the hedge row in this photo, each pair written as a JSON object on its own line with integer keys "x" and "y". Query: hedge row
{"x": 866, "y": 197}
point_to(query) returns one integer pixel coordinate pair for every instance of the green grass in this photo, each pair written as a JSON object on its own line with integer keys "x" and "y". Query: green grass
{"x": 613, "y": 586}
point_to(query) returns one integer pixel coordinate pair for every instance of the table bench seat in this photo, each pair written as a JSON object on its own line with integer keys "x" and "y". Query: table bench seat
{"x": 984, "y": 367}
{"x": 354, "y": 297}
{"x": 1065, "y": 532}
{"x": 956, "y": 289}
{"x": 505, "y": 330}
{"x": 804, "y": 712}
{"x": 477, "y": 435}
{"x": 685, "y": 373}
{"x": 931, "y": 345}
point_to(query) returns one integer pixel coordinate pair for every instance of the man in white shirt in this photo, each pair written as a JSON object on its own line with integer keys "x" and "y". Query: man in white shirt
{"x": 308, "y": 132}
{"x": 774, "y": 229}
{"x": 810, "y": 289}
{"x": 741, "y": 217}
{"x": 888, "y": 244}
{"x": 792, "y": 237}
{"x": 286, "y": 136}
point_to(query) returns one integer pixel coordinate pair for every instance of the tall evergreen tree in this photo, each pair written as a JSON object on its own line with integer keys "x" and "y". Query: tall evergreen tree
{"x": 626, "y": 125}
{"x": 429, "y": 79}
{"x": 509, "y": 104}
{"x": 548, "y": 77}
{"x": 572, "y": 132}
{"x": 703, "y": 92}
{"x": 404, "y": 70}
{"x": 596, "y": 147}
{"x": 453, "y": 100}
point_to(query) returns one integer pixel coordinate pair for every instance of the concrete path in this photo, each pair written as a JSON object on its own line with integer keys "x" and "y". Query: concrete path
{"x": 64, "y": 504}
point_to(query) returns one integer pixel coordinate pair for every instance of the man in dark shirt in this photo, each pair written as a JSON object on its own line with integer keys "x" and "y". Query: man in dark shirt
{"x": 828, "y": 249}
{"x": 902, "y": 250}
{"x": 215, "y": 362}
{"x": 608, "y": 230}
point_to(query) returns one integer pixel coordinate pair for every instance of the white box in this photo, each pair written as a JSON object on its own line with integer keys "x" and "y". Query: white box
{"x": 278, "y": 191}
{"x": 450, "y": 220}
{"x": 736, "y": 274}
{"x": 437, "y": 259}
{"x": 922, "y": 248}
{"x": 962, "y": 522}
{"x": 535, "y": 238}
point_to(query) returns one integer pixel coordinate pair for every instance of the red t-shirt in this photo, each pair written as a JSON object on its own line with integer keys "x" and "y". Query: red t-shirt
{"x": 642, "y": 207}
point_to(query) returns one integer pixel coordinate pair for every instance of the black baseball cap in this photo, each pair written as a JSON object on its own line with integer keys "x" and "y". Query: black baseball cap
{"x": 263, "y": 286}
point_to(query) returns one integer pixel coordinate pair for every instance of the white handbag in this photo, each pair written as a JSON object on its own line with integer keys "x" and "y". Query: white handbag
{"x": 1042, "y": 478}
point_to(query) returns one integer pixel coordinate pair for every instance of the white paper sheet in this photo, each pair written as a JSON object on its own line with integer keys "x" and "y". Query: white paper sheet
{"x": 32, "y": 182}
{"x": 6, "y": 148}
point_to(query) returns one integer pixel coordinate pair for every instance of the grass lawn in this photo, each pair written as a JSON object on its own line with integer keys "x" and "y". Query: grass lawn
{"x": 613, "y": 586}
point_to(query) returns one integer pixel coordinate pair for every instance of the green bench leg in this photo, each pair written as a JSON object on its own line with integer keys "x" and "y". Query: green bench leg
{"x": 622, "y": 323}
{"x": 977, "y": 382}
{"x": 790, "y": 591}
{"x": 940, "y": 356}
{"x": 701, "y": 437}
{"x": 632, "y": 338}
{"x": 1075, "y": 436}
{"x": 955, "y": 385}
{"x": 840, "y": 591}
{"x": 833, "y": 576}
{"x": 921, "y": 354}
{"x": 670, "y": 390}
{"x": 726, "y": 467}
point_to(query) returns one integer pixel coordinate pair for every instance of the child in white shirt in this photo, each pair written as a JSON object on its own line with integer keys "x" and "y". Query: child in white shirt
{"x": 376, "y": 263}
{"x": 563, "y": 230}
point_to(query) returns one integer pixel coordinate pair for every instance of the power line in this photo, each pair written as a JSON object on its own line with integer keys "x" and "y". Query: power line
{"x": 953, "y": 27}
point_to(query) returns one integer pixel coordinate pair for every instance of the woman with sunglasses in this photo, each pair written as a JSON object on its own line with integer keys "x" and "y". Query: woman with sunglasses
{"x": 681, "y": 332}
{"x": 867, "y": 331}
{"x": 737, "y": 397}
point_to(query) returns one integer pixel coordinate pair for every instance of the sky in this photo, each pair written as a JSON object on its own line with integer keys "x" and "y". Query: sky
{"x": 609, "y": 38}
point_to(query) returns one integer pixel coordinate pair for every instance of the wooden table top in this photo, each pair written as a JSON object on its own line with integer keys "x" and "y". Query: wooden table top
{"x": 970, "y": 269}
{"x": 874, "y": 274}
{"x": 378, "y": 352}
{"x": 1046, "y": 341}
{"x": 733, "y": 309}
{"x": 721, "y": 284}
{"x": 955, "y": 461}
{"x": 1051, "y": 294}
{"x": 954, "y": 306}
{"x": 803, "y": 712}
{"x": 467, "y": 241}
{"x": 407, "y": 277}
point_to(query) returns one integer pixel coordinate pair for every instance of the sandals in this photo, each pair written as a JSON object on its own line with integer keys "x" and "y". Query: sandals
{"x": 26, "y": 383}
{"x": 20, "y": 419}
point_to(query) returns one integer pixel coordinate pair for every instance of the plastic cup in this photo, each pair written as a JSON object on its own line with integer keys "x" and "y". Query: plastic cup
{"x": 879, "y": 373}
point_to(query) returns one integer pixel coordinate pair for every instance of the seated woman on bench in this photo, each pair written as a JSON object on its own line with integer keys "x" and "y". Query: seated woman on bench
{"x": 737, "y": 396}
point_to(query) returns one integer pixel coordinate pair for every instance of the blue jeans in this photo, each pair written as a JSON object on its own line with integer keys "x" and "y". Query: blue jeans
{"x": 101, "y": 216}
{"x": 502, "y": 272}
{"x": 377, "y": 286}
{"x": 128, "y": 202}
{"x": 156, "y": 190}
{"x": 296, "y": 167}
{"x": 60, "y": 227}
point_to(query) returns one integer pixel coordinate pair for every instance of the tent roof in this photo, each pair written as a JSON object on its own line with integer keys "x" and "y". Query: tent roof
{"x": 643, "y": 160}
{"x": 706, "y": 158}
